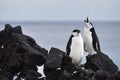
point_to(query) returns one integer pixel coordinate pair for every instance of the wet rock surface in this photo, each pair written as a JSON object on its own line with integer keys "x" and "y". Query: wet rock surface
{"x": 20, "y": 55}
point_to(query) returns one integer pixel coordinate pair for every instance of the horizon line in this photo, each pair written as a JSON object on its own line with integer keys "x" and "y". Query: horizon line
{"x": 58, "y": 20}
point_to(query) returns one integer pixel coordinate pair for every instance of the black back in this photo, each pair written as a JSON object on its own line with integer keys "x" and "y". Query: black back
{"x": 68, "y": 45}
{"x": 95, "y": 42}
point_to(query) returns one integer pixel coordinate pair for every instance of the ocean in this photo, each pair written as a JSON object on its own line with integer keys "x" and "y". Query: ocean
{"x": 56, "y": 34}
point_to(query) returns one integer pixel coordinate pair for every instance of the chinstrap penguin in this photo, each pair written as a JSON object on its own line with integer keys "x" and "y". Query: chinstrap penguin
{"x": 75, "y": 47}
{"x": 91, "y": 41}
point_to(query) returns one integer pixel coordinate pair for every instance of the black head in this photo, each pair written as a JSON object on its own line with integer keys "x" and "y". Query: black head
{"x": 88, "y": 24}
{"x": 76, "y": 30}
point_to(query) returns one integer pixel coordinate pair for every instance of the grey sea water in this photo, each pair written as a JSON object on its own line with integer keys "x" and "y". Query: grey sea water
{"x": 56, "y": 34}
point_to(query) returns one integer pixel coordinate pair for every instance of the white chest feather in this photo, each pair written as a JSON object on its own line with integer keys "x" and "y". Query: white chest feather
{"x": 89, "y": 41}
{"x": 77, "y": 49}
{"x": 87, "y": 36}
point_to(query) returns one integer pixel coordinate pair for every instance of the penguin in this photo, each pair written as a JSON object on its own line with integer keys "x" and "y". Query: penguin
{"x": 75, "y": 47}
{"x": 91, "y": 40}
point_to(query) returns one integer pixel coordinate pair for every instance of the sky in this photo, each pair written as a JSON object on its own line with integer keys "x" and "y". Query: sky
{"x": 59, "y": 10}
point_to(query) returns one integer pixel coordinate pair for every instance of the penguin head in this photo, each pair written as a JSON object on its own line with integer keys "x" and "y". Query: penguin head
{"x": 76, "y": 32}
{"x": 88, "y": 24}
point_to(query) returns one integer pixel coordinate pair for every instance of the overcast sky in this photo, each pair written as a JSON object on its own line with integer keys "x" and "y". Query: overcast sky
{"x": 59, "y": 10}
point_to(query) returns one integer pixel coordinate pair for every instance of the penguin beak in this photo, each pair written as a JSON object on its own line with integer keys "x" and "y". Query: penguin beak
{"x": 87, "y": 20}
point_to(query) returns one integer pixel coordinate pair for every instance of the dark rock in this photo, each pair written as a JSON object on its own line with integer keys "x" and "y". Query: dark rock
{"x": 117, "y": 75}
{"x": 3, "y": 78}
{"x": 54, "y": 58}
{"x": 101, "y": 61}
{"x": 28, "y": 45}
{"x": 43, "y": 78}
{"x": 17, "y": 29}
{"x": 30, "y": 75}
{"x": 65, "y": 75}
{"x": 27, "y": 66}
{"x": 101, "y": 75}
{"x": 6, "y": 40}
{"x": 83, "y": 74}
{"x": 58, "y": 66}
{"x": 52, "y": 74}
{"x": 10, "y": 29}
{"x": 19, "y": 54}
{"x": 5, "y": 75}
{"x": 36, "y": 56}
{"x": 67, "y": 68}
{"x": 33, "y": 75}
{"x": 52, "y": 67}
{"x": 67, "y": 64}
{"x": 12, "y": 62}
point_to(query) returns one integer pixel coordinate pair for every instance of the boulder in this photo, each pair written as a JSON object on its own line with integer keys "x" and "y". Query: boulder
{"x": 54, "y": 59}
{"x": 19, "y": 53}
{"x": 52, "y": 67}
{"x": 28, "y": 46}
{"x": 97, "y": 67}
{"x": 100, "y": 61}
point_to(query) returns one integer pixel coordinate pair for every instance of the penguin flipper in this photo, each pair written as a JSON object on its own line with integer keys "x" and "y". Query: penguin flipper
{"x": 96, "y": 44}
{"x": 68, "y": 45}
{"x": 98, "y": 47}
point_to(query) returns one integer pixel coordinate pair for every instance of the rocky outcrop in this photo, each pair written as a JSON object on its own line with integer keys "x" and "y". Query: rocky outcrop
{"x": 97, "y": 67}
{"x": 101, "y": 62}
{"x": 20, "y": 55}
